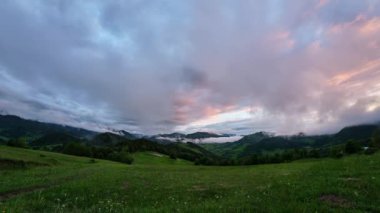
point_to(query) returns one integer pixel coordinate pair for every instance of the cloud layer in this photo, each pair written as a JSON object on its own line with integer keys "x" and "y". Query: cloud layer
{"x": 223, "y": 66}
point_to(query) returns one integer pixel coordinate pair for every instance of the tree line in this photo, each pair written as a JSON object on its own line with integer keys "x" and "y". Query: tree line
{"x": 122, "y": 152}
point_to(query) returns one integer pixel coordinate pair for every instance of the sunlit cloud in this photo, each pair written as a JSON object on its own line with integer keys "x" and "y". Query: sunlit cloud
{"x": 217, "y": 118}
{"x": 222, "y": 66}
{"x": 371, "y": 26}
{"x": 371, "y": 66}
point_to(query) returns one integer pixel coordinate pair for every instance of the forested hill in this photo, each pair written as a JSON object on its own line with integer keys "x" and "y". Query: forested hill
{"x": 261, "y": 142}
{"x": 12, "y": 126}
{"x": 16, "y": 131}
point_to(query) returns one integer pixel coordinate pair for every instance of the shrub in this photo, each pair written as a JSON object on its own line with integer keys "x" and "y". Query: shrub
{"x": 336, "y": 152}
{"x": 74, "y": 148}
{"x": 123, "y": 157}
{"x": 352, "y": 147}
{"x": 375, "y": 140}
{"x": 20, "y": 142}
{"x": 173, "y": 156}
{"x": 370, "y": 151}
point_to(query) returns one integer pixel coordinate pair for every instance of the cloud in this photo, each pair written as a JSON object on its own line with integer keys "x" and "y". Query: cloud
{"x": 159, "y": 66}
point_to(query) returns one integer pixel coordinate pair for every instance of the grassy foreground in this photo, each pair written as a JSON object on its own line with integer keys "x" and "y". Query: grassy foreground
{"x": 36, "y": 181}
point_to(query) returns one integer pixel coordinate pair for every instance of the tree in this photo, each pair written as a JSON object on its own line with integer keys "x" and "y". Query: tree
{"x": 301, "y": 134}
{"x": 19, "y": 142}
{"x": 352, "y": 147}
{"x": 375, "y": 140}
{"x": 123, "y": 156}
{"x": 288, "y": 155}
{"x": 314, "y": 153}
{"x": 336, "y": 152}
{"x": 173, "y": 156}
{"x": 75, "y": 148}
{"x": 251, "y": 160}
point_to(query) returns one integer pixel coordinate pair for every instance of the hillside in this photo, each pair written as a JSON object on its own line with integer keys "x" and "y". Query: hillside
{"x": 106, "y": 139}
{"x": 202, "y": 135}
{"x": 176, "y": 137}
{"x": 53, "y": 139}
{"x": 264, "y": 143}
{"x": 233, "y": 149}
{"x": 186, "y": 151}
{"x": 158, "y": 183}
{"x": 20, "y": 132}
{"x": 12, "y": 126}
{"x": 76, "y": 141}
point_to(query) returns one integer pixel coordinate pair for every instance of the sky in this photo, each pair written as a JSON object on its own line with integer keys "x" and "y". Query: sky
{"x": 224, "y": 66}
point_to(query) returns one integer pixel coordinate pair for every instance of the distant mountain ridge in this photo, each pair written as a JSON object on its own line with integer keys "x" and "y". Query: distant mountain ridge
{"x": 263, "y": 143}
{"x": 57, "y": 138}
{"x": 50, "y": 139}
{"x": 39, "y": 134}
{"x": 203, "y": 135}
{"x": 126, "y": 134}
{"x": 12, "y": 126}
{"x": 171, "y": 135}
{"x": 192, "y": 136}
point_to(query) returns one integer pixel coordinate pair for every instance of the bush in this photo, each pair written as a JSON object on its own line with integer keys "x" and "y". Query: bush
{"x": 74, "y": 148}
{"x": 338, "y": 155}
{"x": 375, "y": 140}
{"x": 314, "y": 153}
{"x": 123, "y": 157}
{"x": 197, "y": 162}
{"x": 173, "y": 156}
{"x": 352, "y": 147}
{"x": 336, "y": 152}
{"x": 20, "y": 142}
{"x": 370, "y": 151}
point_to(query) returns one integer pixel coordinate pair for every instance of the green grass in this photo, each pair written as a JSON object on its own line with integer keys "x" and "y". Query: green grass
{"x": 154, "y": 158}
{"x": 61, "y": 183}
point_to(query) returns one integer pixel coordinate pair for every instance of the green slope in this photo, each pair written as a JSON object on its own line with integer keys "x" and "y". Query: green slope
{"x": 155, "y": 158}
{"x": 14, "y": 127}
{"x": 263, "y": 143}
{"x": 57, "y": 138}
{"x": 235, "y": 149}
{"x": 62, "y": 183}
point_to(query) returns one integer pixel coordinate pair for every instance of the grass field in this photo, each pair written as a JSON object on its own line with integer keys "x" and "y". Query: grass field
{"x": 36, "y": 181}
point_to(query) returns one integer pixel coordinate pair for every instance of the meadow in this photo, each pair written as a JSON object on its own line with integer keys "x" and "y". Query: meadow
{"x": 38, "y": 181}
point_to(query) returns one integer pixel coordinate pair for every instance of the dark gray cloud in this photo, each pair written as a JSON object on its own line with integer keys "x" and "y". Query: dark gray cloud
{"x": 157, "y": 66}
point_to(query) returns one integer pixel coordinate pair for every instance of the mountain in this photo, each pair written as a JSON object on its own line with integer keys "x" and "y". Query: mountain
{"x": 172, "y": 135}
{"x": 126, "y": 134}
{"x": 266, "y": 143}
{"x": 57, "y": 138}
{"x": 180, "y": 137}
{"x": 356, "y": 132}
{"x": 107, "y": 139}
{"x": 40, "y": 134}
{"x": 202, "y": 135}
{"x": 228, "y": 135}
{"x": 278, "y": 143}
{"x": 12, "y": 126}
{"x": 188, "y": 151}
{"x": 254, "y": 138}
{"x": 176, "y": 137}
{"x": 233, "y": 149}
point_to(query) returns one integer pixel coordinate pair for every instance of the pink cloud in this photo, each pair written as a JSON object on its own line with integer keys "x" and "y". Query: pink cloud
{"x": 370, "y": 27}
{"x": 322, "y": 3}
{"x": 281, "y": 41}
